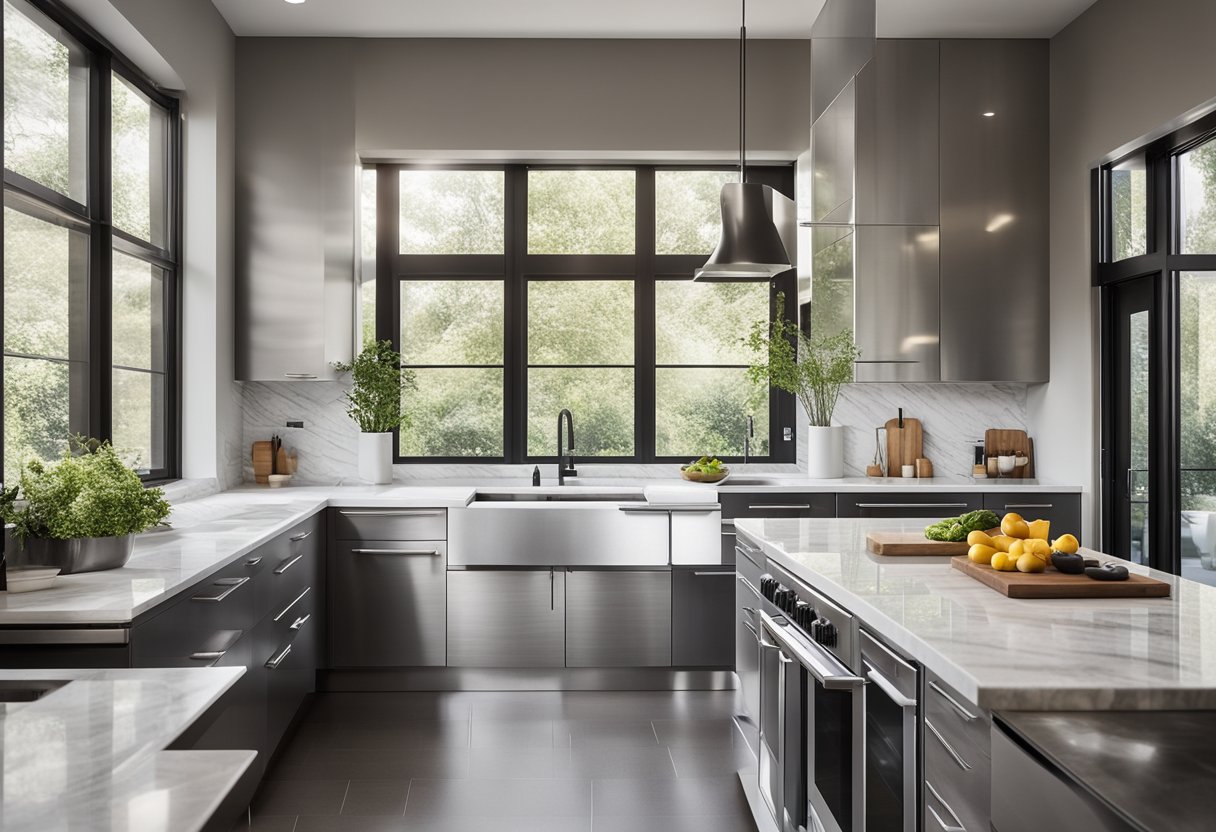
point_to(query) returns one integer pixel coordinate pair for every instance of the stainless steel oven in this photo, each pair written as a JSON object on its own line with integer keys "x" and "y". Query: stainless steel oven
{"x": 812, "y": 710}
{"x": 892, "y": 759}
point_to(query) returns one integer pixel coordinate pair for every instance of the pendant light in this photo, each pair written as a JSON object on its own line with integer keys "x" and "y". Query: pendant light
{"x": 750, "y": 247}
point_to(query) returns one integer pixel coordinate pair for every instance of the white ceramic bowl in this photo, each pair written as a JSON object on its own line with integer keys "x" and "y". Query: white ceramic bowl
{"x": 31, "y": 578}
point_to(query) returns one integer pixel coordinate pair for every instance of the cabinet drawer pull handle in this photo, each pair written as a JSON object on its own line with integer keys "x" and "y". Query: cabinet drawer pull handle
{"x": 753, "y": 631}
{"x": 253, "y": 561}
{"x": 957, "y": 826}
{"x": 208, "y": 657}
{"x": 278, "y": 660}
{"x": 910, "y": 505}
{"x": 394, "y": 513}
{"x": 299, "y": 375}
{"x": 300, "y": 622}
{"x": 296, "y": 538}
{"x": 713, "y": 574}
{"x": 727, "y": 534}
{"x": 1027, "y": 505}
{"x": 954, "y": 703}
{"x": 750, "y": 586}
{"x": 232, "y": 584}
{"x": 751, "y": 610}
{"x": 288, "y": 565}
{"x": 293, "y": 603}
{"x": 768, "y": 507}
{"x": 426, "y": 552}
{"x": 958, "y": 759}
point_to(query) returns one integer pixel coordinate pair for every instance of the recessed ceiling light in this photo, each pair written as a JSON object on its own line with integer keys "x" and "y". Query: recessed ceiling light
{"x": 985, "y": 115}
{"x": 295, "y": 2}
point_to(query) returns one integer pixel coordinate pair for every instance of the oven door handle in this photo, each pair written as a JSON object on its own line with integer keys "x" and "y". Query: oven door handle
{"x": 885, "y": 685}
{"x": 826, "y": 668}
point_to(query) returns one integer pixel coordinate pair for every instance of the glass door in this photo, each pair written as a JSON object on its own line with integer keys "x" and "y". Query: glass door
{"x": 1132, "y": 386}
{"x": 1197, "y": 424}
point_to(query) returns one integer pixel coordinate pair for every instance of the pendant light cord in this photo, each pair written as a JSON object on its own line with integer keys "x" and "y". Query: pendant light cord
{"x": 743, "y": 91}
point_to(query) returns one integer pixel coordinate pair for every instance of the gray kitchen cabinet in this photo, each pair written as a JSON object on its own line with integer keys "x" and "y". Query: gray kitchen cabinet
{"x": 702, "y": 617}
{"x": 907, "y": 504}
{"x": 747, "y": 626}
{"x": 1063, "y": 510}
{"x": 957, "y": 759}
{"x": 388, "y": 602}
{"x": 288, "y": 653}
{"x": 506, "y": 618}
{"x": 994, "y": 217}
{"x": 768, "y": 504}
{"x": 618, "y": 619}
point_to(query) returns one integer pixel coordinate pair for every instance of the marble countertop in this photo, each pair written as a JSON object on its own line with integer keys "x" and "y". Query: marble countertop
{"x": 91, "y": 754}
{"x": 1005, "y": 653}
{"x": 1148, "y": 767}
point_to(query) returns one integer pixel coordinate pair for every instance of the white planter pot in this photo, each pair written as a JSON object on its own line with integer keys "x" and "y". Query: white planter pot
{"x": 376, "y": 458}
{"x": 825, "y": 452}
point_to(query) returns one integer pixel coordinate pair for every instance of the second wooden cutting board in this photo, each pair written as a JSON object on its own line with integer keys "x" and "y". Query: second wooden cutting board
{"x": 904, "y": 444}
{"x": 911, "y": 544}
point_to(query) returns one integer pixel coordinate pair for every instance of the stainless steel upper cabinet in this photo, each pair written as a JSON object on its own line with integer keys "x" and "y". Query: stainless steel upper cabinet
{"x": 896, "y": 303}
{"x": 833, "y": 155}
{"x": 994, "y": 220}
{"x": 897, "y": 135}
{"x": 295, "y": 214}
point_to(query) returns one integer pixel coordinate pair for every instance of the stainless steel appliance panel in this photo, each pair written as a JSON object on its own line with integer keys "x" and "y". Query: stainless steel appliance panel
{"x": 506, "y": 618}
{"x": 747, "y": 631}
{"x": 833, "y": 159}
{"x": 387, "y": 603}
{"x": 896, "y": 306}
{"x": 994, "y": 217}
{"x": 696, "y": 537}
{"x": 390, "y": 524}
{"x": 703, "y": 617}
{"x": 897, "y": 135}
{"x": 618, "y": 619}
{"x": 557, "y": 534}
{"x": 1059, "y": 802}
{"x": 842, "y": 41}
{"x": 963, "y": 725}
{"x": 892, "y": 783}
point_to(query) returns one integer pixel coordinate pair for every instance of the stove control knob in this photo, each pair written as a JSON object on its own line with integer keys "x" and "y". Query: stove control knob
{"x": 828, "y": 635}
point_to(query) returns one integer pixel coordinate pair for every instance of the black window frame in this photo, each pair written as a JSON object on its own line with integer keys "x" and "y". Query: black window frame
{"x": 1163, "y": 264}
{"x": 516, "y": 267}
{"x": 95, "y": 218}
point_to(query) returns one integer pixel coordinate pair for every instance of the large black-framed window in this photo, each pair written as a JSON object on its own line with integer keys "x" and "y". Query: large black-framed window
{"x": 515, "y": 290}
{"x": 1154, "y": 240}
{"x": 91, "y": 239}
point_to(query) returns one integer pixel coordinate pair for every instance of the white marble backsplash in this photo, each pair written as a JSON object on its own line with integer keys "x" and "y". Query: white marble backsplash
{"x": 952, "y": 415}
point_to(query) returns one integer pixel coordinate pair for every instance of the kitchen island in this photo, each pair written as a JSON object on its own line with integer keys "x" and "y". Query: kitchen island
{"x": 1056, "y": 692}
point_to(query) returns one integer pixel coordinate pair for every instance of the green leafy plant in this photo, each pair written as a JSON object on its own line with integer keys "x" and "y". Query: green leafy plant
{"x": 374, "y": 402}
{"x": 813, "y": 369}
{"x": 89, "y": 492}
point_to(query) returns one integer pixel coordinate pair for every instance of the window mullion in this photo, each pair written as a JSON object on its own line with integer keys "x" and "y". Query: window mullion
{"x": 644, "y": 420}
{"x": 100, "y": 279}
{"x": 515, "y": 342}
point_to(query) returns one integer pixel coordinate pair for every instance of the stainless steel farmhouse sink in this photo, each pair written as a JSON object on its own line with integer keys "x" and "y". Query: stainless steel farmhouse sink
{"x": 571, "y": 529}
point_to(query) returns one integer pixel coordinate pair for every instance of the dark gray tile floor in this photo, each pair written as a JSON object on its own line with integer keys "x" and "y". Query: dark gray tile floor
{"x": 511, "y": 762}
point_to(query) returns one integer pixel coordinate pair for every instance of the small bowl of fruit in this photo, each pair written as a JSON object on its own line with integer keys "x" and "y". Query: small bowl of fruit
{"x": 707, "y": 469}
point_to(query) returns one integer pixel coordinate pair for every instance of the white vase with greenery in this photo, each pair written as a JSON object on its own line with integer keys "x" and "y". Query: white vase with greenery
{"x": 814, "y": 369}
{"x": 374, "y": 403}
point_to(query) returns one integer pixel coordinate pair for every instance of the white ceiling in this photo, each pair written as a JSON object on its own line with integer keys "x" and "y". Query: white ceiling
{"x": 634, "y": 18}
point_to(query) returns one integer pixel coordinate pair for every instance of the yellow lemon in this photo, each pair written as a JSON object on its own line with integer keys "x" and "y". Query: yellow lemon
{"x": 1016, "y": 548}
{"x": 1015, "y": 526}
{"x": 1004, "y": 562}
{"x": 979, "y": 553}
{"x": 1031, "y": 563}
{"x": 1040, "y": 529}
{"x": 1066, "y": 543}
{"x": 978, "y": 537}
{"x": 1039, "y": 548}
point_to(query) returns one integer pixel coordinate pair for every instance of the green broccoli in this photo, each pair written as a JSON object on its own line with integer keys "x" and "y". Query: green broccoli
{"x": 956, "y": 529}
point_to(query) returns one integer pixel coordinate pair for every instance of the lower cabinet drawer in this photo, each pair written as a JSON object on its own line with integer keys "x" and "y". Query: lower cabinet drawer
{"x": 964, "y": 726}
{"x": 290, "y": 668}
{"x": 240, "y": 723}
{"x": 768, "y": 504}
{"x": 197, "y": 629}
{"x": 702, "y": 617}
{"x": 619, "y": 619}
{"x": 506, "y": 618}
{"x": 1062, "y": 509}
{"x": 907, "y": 504}
{"x": 957, "y": 790}
{"x": 390, "y": 524}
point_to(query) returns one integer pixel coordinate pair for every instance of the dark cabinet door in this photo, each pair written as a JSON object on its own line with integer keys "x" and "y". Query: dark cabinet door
{"x": 702, "y": 617}
{"x": 1063, "y": 510}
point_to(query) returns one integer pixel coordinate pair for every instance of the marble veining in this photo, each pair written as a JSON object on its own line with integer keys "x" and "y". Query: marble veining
{"x": 90, "y": 755}
{"x": 1005, "y": 653}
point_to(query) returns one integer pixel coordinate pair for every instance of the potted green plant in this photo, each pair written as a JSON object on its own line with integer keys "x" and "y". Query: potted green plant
{"x": 80, "y": 514}
{"x": 812, "y": 368}
{"x": 374, "y": 403}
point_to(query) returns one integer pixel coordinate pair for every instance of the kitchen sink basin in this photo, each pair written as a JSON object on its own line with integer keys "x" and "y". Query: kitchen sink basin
{"x": 549, "y": 497}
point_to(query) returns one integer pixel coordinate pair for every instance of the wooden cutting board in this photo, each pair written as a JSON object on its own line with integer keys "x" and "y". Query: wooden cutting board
{"x": 1000, "y": 440}
{"x": 896, "y": 544}
{"x": 1053, "y": 584}
{"x": 904, "y": 445}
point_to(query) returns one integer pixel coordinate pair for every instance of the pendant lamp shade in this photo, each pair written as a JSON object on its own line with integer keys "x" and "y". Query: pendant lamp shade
{"x": 751, "y": 247}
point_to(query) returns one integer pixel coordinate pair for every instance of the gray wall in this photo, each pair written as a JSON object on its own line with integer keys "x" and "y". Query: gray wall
{"x": 1117, "y": 78}
{"x": 195, "y": 43}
